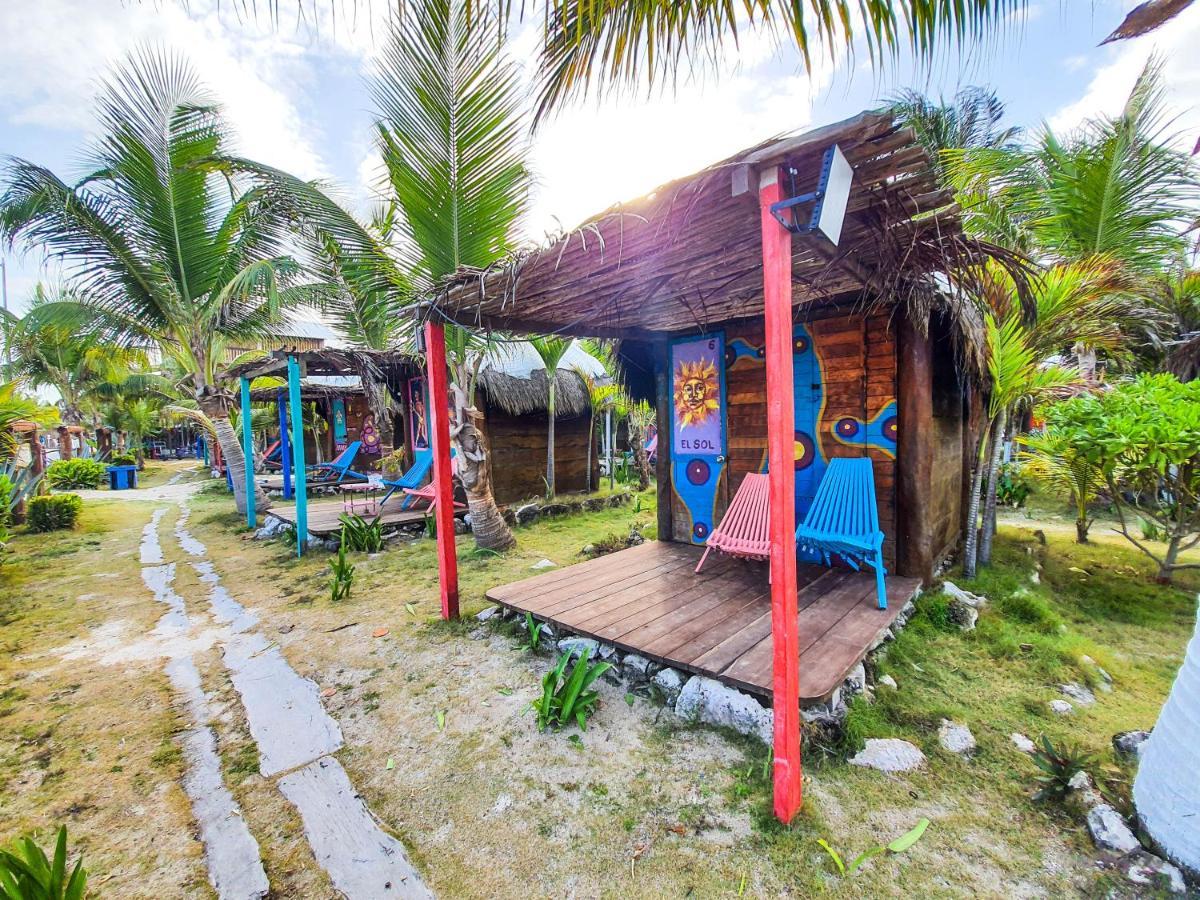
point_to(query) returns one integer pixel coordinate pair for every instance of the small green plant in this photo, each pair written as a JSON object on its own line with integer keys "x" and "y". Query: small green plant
{"x": 533, "y": 633}
{"x": 1059, "y": 765}
{"x": 1012, "y": 486}
{"x": 76, "y": 474}
{"x": 899, "y": 845}
{"x": 363, "y": 535}
{"x": 341, "y": 575}
{"x": 54, "y": 512}
{"x": 566, "y": 698}
{"x": 27, "y": 874}
{"x": 1151, "y": 531}
{"x": 124, "y": 458}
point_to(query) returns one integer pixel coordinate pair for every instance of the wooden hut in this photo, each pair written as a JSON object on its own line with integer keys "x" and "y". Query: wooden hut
{"x": 789, "y": 305}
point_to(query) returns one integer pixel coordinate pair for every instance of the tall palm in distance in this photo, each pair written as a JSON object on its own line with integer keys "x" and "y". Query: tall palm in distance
{"x": 164, "y": 251}
{"x": 972, "y": 120}
{"x": 551, "y": 351}
{"x": 453, "y": 135}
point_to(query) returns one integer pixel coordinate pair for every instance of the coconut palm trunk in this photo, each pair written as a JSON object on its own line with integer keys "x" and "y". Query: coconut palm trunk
{"x": 988, "y": 531}
{"x": 474, "y": 469}
{"x": 216, "y": 407}
{"x": 1166, "y": 791}
{"x": 550, "y": 416}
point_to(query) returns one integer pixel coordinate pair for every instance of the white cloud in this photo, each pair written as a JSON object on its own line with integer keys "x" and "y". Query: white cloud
{"x": 54, "y": 53}
{"x": 1109, "y": 87}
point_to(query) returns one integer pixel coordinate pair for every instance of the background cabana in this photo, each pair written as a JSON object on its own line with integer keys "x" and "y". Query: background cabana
{"x": 769, "y": 327}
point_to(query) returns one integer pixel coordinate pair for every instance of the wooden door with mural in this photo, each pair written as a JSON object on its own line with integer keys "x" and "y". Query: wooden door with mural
{"x": 698, "y": 434}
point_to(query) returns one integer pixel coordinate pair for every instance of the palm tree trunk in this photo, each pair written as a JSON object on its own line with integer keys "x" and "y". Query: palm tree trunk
{"x": 1165, "y": 796}
{"x": 231, "y": 450}
{"x": 474, "y": 471}
{"x": 550, "y": 440}
{"x": 971, "y": 539}
{"x": 993, "y": 477}
{"x": 591, "y": 430}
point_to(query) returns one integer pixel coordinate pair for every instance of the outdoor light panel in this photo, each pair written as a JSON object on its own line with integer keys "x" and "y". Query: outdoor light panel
{"x": 829, "y": 200}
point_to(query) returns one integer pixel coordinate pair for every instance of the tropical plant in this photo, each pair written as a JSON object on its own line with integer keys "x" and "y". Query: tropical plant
{"x": 1051, "y": 459}
{"x": 899, "y": 845}
{"x": 970, "y": 121}
{"x": 26, "y": 873}
{"x": 1144, "y": 439}
{"x": 1174, "y": 337}
{"x": 641, "y": 415}
{"x": 453, "y": 137}
{"x": 566, "y": 698}
{"x": 54, "y": 512}
{"x": 601, "y": 397}
{"x": 123, "y": 458}
{"x": 163, "y": 246}
{"x": 363, "y": 535}
{"x": 1115, "y": 188}
{"x": 14, "y": 408}
{"x": 76, "y": 474}
{"x": 1012, "y": 486}
{"x": 23, "y": 484}
{"x": 1058, "y": 765}
{"x": 533, "y": 633}
{"x": 341, "y": 573}
{"x": 551, "y": 351}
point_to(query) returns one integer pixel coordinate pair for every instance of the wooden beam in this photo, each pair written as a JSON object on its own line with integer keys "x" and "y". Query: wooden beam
{"x": 914, "y": 452}
{"x": 296, "y": 424}
{"x": 777, "y": 312}
{"x": 439, "y": 432}
{"x": 662, "y": 468}
{"x": 248, "y": 453}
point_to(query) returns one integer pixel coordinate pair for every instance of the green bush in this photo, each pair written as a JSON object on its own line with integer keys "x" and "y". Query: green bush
{"x": 122, "y": 459}
{"x": 54, "y": 512}
{"x": 75, "y": 474}
{"x": 6, "y": 492}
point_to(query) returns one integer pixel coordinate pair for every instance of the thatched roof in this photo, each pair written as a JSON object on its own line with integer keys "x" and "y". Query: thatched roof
{"x": 688, "y": 256}
{"x": 514, "y": 379}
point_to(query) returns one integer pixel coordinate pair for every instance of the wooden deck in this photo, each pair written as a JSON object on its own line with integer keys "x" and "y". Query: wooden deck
{"x": 648, "y": 600}
{"x": 324, "y": 515}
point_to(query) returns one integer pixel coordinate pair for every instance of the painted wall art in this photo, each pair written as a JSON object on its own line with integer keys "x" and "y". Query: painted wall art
{"x": 698, "y": 428}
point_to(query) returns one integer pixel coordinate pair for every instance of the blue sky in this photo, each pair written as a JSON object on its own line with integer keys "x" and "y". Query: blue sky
{"x": 298, "y": 99}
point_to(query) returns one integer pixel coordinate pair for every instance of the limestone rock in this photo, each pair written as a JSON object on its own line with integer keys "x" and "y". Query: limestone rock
{"x": 1083, "y": 794}
{"x": 906, "y": 612}
{"x": 607, "y": 652}
{"x": 1022, "y": 743}
{"x": 577, "y": 646}
{"x": 956, "y": 593}
{"x": 705, "y": 700}
{"x": 1146, "y": 869}
{"x": 1061, "y": 707}
{"x": 543, "y": 564}
{"x": 638, "y": 668}
{"x": 1078, "y": 693}
{"x": 963, "y": 614}
{"x": 1130, "y": 743}
{"x": 1109, "y": 831}
{"x": 526, "y": 514}
{"x": 889, "y": 755}
{"x": 956, "y": 738}
{"x": 831, "y": 713}
{"x": 487, "y": 615}
{"x": 670, "y": 682}
{"x": 889, "y": 681}
{"x": 856, "y": 681}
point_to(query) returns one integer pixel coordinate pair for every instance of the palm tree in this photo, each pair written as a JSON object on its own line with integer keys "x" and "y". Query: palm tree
{"x": 50, "y": 354}
{"x": 1114, "y": 188}
{"x": 15, "y": 407}
{"x": 1049, "y": 459}
{"x": 454, "y": 140}
{"x": 641, "y": 414}
{"x": 1175, "y": 337}
{"x": 162, "y": 245}
{"x": 971, "y": 120}
{"x": 551, "y": 350}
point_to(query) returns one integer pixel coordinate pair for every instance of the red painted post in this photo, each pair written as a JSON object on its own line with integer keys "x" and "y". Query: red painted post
{"x": 777, "y": 315}
{"x": 439, "y": 431}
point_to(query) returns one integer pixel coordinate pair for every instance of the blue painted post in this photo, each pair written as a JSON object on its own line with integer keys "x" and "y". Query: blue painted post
{"x": 296, "y": 420}
{"x": 285, "y": 445}
{"x": 248, "y": 452}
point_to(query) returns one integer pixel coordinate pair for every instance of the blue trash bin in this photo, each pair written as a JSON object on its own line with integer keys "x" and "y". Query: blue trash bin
{"x": 122, "y": 478}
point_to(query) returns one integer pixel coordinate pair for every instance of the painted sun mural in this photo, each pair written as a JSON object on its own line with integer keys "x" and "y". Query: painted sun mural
{"x": 697, "y": 393}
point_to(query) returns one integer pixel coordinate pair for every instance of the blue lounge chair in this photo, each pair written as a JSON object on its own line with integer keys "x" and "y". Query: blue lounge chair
{"x": 337, "y": 469}
{"x": 843, "y": 519}
{"x": 417, "y": 473}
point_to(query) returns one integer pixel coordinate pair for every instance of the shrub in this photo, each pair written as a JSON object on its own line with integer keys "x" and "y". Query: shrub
{"x": 122, "y": 459}
{"x": 1012, "y": 487}
{"x": 54, "y": 512}
{"x": 362, "y": 534}
{"x": 7, "y": 489}
{"x": 566, "y": 698}
{"x": 76, "y": 474}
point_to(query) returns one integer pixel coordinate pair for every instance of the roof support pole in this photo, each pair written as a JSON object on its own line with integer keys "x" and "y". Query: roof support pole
{"x": 248, "y": 453}
{"x": 285, "y": 444}
{"x": 296, "y": 421}
{"x": 777, "y": 314}
{"x": 439, "y": 432}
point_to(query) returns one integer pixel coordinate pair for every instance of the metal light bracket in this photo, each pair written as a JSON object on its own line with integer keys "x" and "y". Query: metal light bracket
{"x": 789, "y": 212}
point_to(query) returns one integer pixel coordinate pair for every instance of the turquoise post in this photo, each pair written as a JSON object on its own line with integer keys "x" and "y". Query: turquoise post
{"x": 248, "y": 452}
{"x": 296, "y": 417}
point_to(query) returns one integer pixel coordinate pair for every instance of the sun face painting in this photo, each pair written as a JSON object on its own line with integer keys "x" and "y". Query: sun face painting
{"x": 696, "y": 392}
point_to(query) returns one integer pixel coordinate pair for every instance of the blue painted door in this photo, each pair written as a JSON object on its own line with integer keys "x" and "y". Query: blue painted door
{"x": 698, "y": 441}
